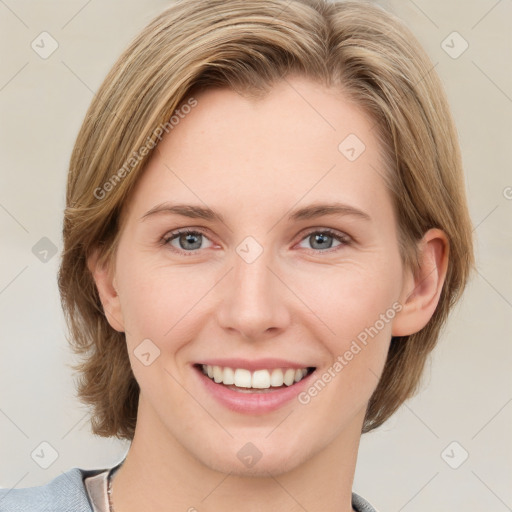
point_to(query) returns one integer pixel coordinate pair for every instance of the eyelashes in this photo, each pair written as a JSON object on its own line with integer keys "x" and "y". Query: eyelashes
{"x": 194, "y": 238}
{"x": 342, "y": 238}
{"x": 184, "y": 234}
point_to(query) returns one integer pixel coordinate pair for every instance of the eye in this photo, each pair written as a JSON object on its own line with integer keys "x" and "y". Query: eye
{"x": 321, "y": 240}
{"x": 187, "y": 240}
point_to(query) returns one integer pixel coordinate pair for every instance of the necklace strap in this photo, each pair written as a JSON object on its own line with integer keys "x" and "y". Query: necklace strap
{"x": 109, "y": 492}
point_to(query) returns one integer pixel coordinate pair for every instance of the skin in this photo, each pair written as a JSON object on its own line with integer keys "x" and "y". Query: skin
{"x": 254, "y": 161}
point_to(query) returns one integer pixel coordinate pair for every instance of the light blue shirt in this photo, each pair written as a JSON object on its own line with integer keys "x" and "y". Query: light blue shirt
{"x": 68, "y": 493}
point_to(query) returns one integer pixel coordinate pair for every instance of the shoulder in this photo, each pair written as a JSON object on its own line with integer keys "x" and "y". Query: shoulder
{"x": 361, "y": 505}
{"x": 65, "y": 493}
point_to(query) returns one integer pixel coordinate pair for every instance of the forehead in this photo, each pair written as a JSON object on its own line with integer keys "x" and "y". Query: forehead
{"x": 299, "y": 143}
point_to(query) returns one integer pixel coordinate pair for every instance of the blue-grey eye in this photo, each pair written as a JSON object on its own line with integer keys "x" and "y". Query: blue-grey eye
{"x": 186, "y": 240}
{"x": 324, "y": 239}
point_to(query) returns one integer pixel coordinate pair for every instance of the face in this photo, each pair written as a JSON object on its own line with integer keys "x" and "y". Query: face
{"x": 283, "y": 254}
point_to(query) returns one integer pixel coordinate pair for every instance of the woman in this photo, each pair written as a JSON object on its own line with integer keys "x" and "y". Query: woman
{"x": 266, "y": 228}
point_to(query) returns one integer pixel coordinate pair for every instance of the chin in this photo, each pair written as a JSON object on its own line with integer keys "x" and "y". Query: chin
{"x": 263, "y": 468}
{"x": 258, "y": 459}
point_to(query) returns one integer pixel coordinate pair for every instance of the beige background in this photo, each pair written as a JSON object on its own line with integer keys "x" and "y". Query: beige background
{"x": 467, "y": 391}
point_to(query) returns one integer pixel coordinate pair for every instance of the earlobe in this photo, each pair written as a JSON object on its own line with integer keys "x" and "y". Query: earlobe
{"x": 106, "y": 285}
{"x": 421, "y": 291}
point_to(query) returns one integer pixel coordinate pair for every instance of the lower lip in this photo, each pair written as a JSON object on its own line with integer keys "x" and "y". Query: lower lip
{"x": 252, "y": 403}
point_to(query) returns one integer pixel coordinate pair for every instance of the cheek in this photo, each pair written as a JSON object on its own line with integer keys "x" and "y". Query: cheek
{"x": 159, "y": 313}
{"x": 358, "y": 306}
{"x": 158, "y": 301}
{"x": 352, "y": 297}
{"x": 362, "y": 323}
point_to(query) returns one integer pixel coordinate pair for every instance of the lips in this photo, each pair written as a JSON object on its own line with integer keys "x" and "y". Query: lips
{"x": 253, "y": 400}
{"x": 255, "y": 364}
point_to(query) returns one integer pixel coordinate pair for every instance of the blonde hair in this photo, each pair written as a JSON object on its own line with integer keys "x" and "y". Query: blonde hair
{"x": 249, "y": 45}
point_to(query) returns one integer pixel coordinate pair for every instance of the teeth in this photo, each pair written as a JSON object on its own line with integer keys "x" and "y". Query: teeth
{"x": 259, "y": 379}
{"x": 242, "y": 378}
{"x": 277, "y": 378}
{"x": 289, "y": 377}
{"x": 228, "y": 376}
{"x": 217, "y": 373}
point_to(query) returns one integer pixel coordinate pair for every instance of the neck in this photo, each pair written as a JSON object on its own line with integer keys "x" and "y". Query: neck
{"x": 159, "y": 474}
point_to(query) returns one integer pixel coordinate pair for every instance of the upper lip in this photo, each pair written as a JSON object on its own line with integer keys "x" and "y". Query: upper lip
{"x": 254, "y": 364}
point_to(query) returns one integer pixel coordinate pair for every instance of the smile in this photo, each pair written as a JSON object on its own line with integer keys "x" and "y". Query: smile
{"x": 237, "y": 378}
{"x": 267, "y": 386}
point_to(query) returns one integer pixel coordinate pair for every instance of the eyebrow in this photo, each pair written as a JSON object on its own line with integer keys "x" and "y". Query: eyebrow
{"x": 308, "y": 212}
{"x": 185, "y": 210}
{"x": 321, "y": 209}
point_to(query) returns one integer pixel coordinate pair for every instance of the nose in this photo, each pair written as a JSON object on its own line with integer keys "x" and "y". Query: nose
{"x": 253, "y": 299}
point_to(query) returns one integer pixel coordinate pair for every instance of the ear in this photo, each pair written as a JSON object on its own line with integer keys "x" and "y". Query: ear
{"x": 421, "y": 291}
{"x": 107, "y": 289}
